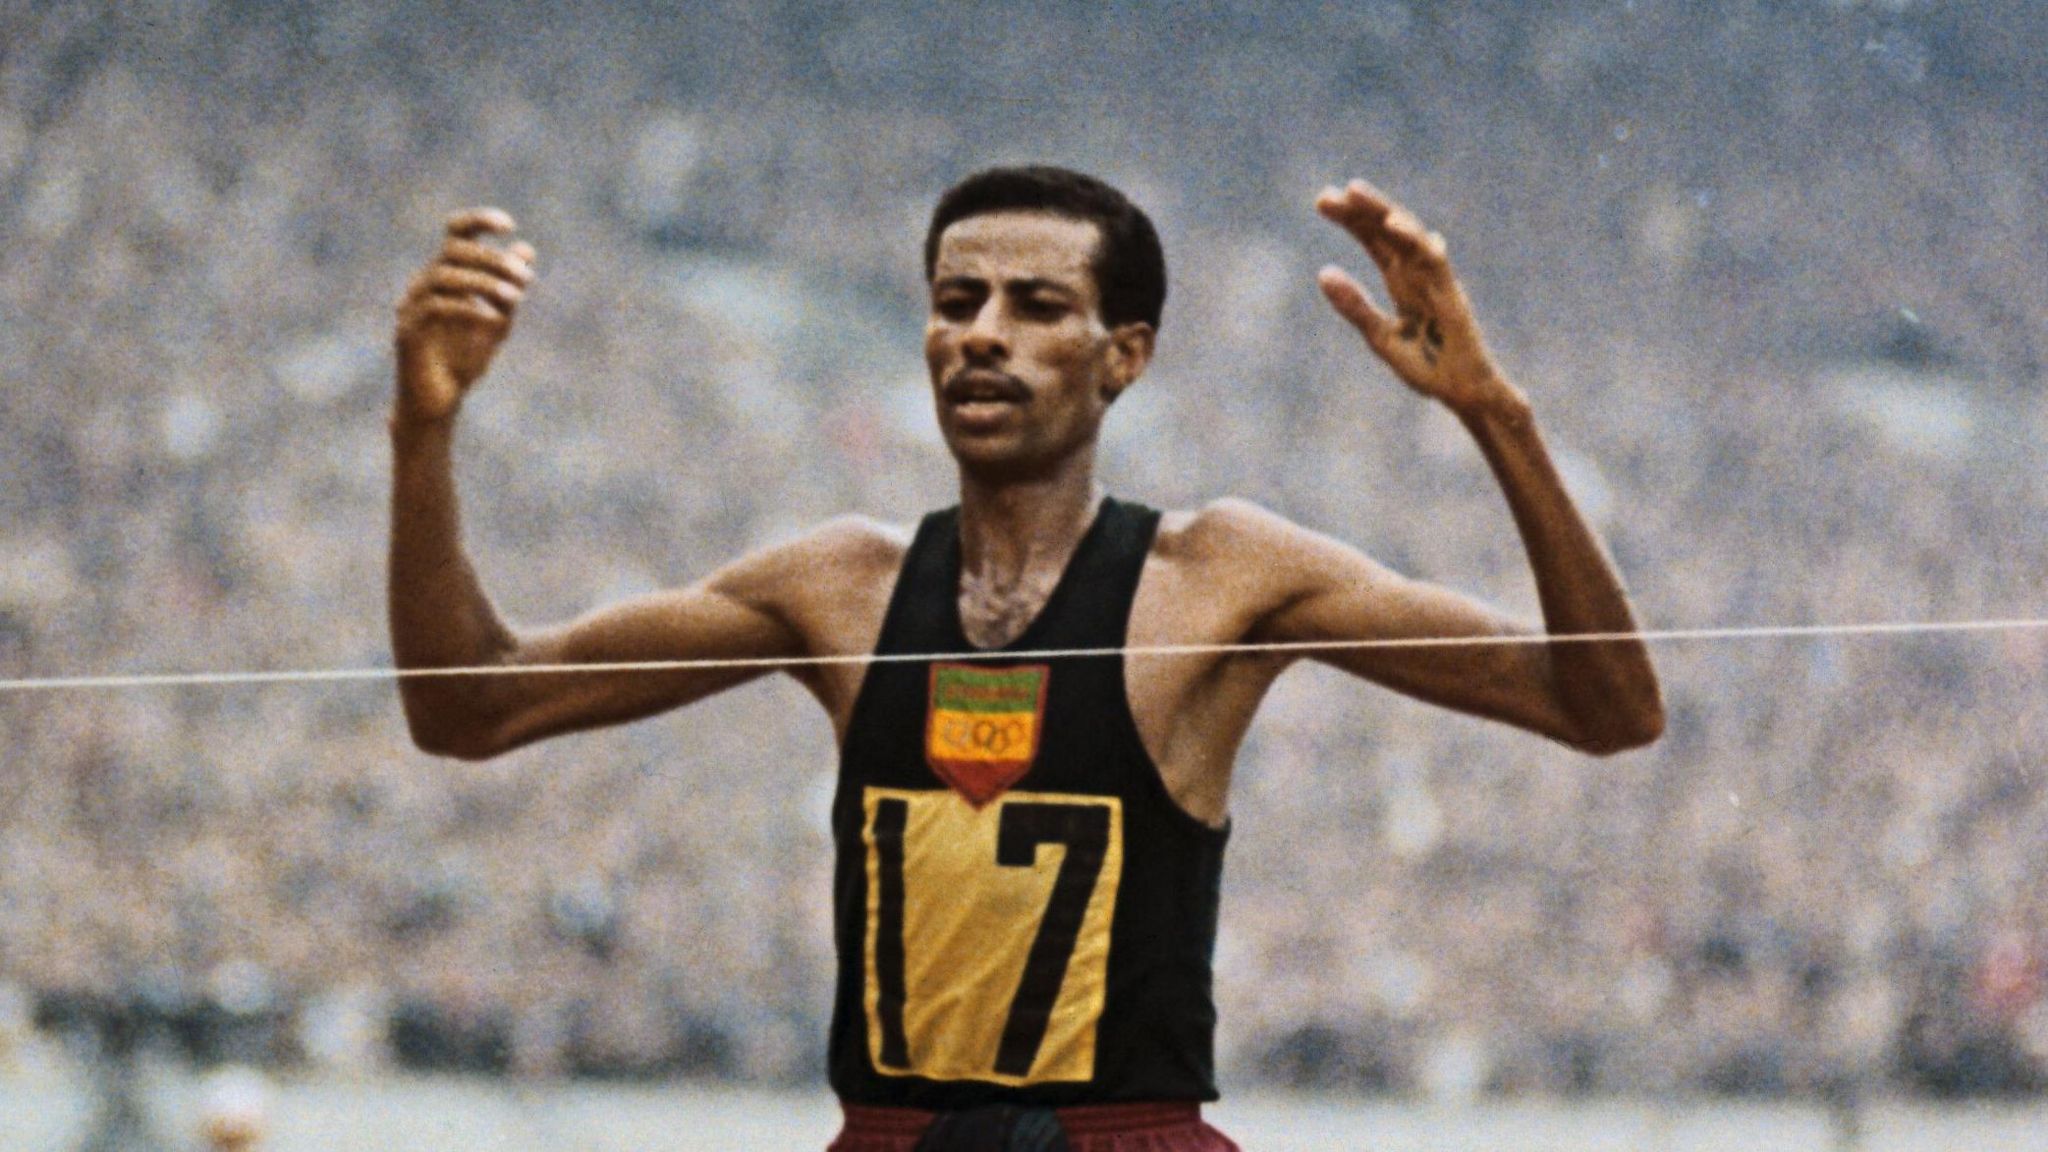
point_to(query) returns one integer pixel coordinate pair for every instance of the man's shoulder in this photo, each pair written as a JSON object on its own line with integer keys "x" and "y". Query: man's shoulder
{"x": 1238, "y": 546}
{"x": 1221, "y": 530}
{"x": 826, "y": 561}
{"x": 1218, "y": 573}
{"x": 859, "y": 540}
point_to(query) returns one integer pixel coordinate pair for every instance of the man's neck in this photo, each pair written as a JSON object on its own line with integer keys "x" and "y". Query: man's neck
{"x": 1013, "y": 528}
{"x": 1015, "y": 540}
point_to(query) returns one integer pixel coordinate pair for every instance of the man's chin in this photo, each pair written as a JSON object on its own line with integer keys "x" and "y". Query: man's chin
{"x": 995, "y": 458}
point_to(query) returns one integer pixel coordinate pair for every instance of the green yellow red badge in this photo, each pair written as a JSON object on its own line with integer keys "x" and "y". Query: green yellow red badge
{"x": 982, "y": 732}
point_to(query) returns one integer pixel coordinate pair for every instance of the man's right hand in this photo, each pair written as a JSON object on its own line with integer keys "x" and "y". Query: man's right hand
{"x": 456, "y": 312}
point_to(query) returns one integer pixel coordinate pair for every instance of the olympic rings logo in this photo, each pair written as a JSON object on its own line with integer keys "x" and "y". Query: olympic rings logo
{"x": 998, "y": 737}
{"x": 993, "y": 737}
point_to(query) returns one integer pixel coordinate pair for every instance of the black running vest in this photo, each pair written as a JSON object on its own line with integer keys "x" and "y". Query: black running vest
{"x": 1023, "y": 915}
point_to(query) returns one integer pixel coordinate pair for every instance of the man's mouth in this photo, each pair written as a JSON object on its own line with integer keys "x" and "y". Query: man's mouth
{"x": 975, "y": 387}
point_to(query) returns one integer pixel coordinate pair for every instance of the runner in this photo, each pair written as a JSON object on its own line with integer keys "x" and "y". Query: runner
{"x": 1029, "y": 844}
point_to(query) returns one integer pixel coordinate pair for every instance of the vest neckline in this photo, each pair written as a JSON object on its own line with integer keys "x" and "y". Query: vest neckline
{"x": 955, "y": 566}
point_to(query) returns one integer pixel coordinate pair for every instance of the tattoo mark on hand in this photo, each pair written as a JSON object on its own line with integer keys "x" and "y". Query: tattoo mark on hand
{"x": 1432, "y": 340}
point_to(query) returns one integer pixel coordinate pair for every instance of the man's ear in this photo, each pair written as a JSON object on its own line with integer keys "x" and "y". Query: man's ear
{"x": 1130, "y": 353}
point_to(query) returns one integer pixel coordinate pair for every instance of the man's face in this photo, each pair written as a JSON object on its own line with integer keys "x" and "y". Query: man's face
{"x": 1022, "y": 366}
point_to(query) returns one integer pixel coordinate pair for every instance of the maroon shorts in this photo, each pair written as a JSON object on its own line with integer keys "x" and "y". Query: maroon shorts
{"x": 1173, "y": 1127}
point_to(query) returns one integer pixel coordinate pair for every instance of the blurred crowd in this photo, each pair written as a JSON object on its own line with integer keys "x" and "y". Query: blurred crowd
{"x": 1770, "y": 271}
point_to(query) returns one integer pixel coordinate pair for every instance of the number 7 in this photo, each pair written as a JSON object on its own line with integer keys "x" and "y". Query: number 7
{"x": 1083, "y": 829}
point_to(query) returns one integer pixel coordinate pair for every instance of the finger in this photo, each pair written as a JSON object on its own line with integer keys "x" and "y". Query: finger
{"x": 472, "y": 222}
{"x": 473, "y": 310}
{"x": 444, "y": 282}
{"x": 1348, "y": 297}
{"x": 1404, "y": 232}
{"x": 481, "y": 305}
{"x": 510, "y": 263}
{"x": 1357, "y": 201}
{"x": 451, "y": 279}
{"x": 1359, "y": 207}
{"x": 1376, "y": 219}
{"x": 426, "y": 290}
{"x": 1417, "y": 242}
{"x": 1359, "y": 215}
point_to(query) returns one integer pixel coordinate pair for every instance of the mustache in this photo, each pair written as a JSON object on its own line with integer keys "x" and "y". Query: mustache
{"x": 983, "y": 384}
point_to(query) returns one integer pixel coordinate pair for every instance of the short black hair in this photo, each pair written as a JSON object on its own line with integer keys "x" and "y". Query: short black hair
{"x": 1129, "y": 265}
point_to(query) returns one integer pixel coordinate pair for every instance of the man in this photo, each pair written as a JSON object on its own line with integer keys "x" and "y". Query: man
{"x": 1029, "y": 846}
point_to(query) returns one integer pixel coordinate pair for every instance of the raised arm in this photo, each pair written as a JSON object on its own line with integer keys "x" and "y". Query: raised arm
{"x": 1601, "y": 696}
{"x": 451, "y": 320}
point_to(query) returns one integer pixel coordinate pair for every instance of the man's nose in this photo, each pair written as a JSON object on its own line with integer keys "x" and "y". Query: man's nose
{"x": 987, "y": 339}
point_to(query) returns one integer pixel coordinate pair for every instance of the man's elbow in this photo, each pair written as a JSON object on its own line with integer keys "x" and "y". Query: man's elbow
{"x": 443, "y": 731}
{"x": 454, "y": 747}
{"x": 1627, "y": 731}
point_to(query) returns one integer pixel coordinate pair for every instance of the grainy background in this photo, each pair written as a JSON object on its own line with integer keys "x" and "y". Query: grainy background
{"x": 1771, "y": 271}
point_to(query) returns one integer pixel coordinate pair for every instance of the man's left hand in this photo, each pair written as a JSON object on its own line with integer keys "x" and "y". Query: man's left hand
{"x": 1431, "y": 341}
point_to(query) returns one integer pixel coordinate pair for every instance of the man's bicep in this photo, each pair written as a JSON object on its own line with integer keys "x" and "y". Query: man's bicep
{"x": 1421, "y": 639}
{"x": 1292, "y": 585}
{"x": 1352, "y": 602}
{"x": 637, "y": 658}
{"x": 701, "y": 624}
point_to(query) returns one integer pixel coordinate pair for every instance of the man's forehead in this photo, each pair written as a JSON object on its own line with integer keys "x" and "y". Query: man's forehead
{"x": 1002, "y": 246}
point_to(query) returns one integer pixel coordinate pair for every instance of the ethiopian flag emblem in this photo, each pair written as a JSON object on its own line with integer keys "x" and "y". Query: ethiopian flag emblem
{"x": 982, "y": 732}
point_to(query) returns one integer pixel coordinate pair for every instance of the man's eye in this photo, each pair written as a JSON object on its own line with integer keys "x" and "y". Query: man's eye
{"x": 1043, "y": 308}
{"x": 954, "y": 307}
